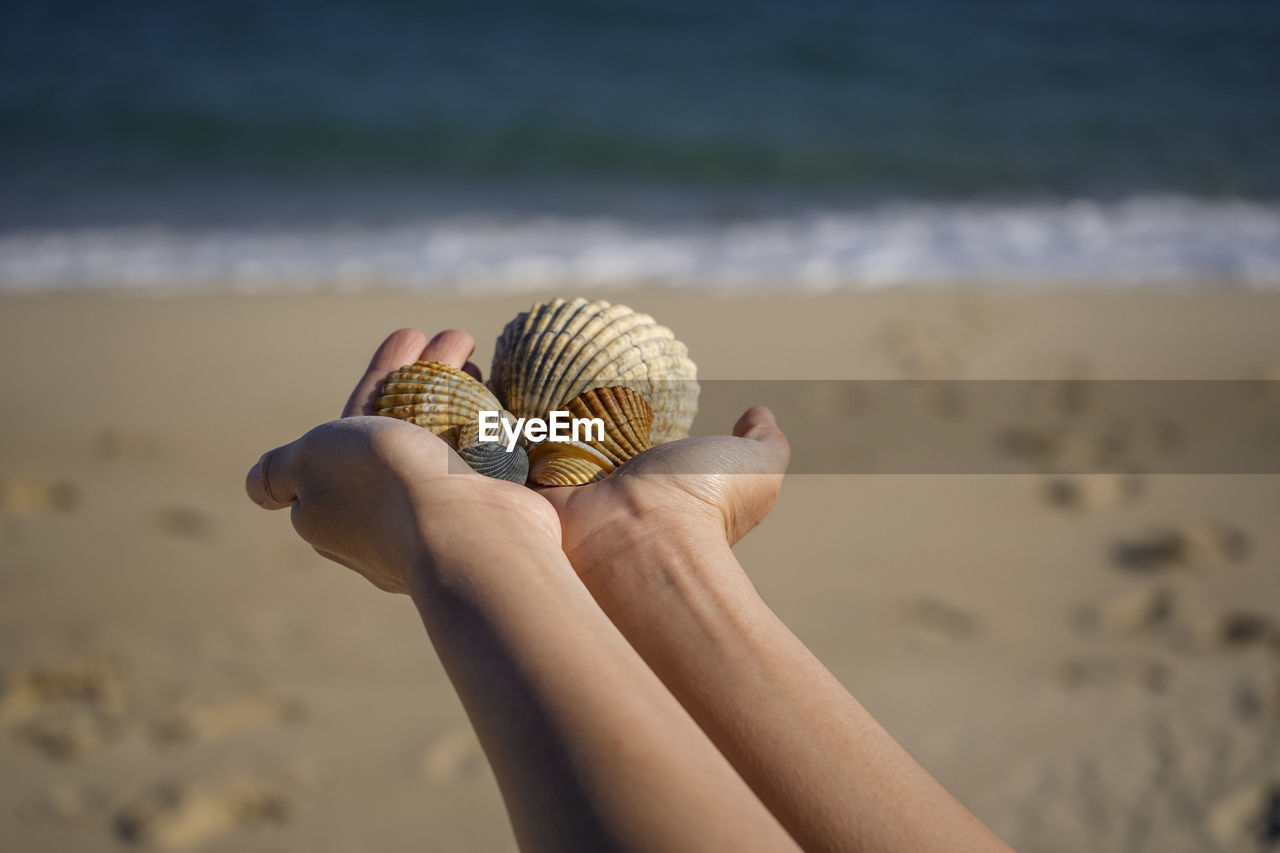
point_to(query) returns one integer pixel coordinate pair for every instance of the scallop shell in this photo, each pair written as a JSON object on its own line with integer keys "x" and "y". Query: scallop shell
{"x": 627, "y": 421}
{"x": 492, "y": 460}
{"x": 556, "y": 350}
{"x": 593, "y": 359}
{"x": 556, "y": 463}
{"x": 437, "y": 396}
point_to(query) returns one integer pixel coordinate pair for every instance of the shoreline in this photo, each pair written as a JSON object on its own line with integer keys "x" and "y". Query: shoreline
{"x": 722, "y": 248}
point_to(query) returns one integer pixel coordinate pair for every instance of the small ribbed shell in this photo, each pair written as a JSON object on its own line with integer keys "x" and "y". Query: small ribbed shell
{"x": 627, "y": 421}
{"x": 555, "y": 351}
{"x": 566, "y": 463}
{"x": 492, "y": 460}
{"x": 437, "y": 396}
{"x": 627, "y": 418}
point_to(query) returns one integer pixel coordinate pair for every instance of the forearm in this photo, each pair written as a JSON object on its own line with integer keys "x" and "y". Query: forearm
{"x": 590, "y": 750}
{"x": 813, "y": 754}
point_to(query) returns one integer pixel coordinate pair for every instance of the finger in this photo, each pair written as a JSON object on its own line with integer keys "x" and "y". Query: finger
{"x": 758, "y": 424}
{"x": 470, "y": 367}
{"x": 269, "y": 483}
{"x": 450, "y": 347}
{"x": 400, "y": 348}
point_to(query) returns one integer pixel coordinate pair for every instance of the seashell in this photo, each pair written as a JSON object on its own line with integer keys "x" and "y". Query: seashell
{"x": 568, "y": 463}
{"x": 555, "y": 351}
{"x": 492, "y": 460}
{"x": 437, "y": 396}
{"x": 627, "y": 420}
{"x": 592, "y": 359}
{"x": 627, "y": 417}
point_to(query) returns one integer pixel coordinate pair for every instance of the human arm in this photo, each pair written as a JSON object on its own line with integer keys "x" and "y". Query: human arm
{"x": 652, "y": 544}
{"x": 590, "y": 751}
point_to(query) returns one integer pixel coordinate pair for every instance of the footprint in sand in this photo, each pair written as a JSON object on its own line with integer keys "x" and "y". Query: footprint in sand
{"x": 1062, "y": 398}
{"x": 1189, "y": 629}
{"x": 936, "y": 345}
{"x": 1156, "y": 784}
{"x": 1258, "y": 699}
{"x": 917, "y": 358}
{"x": 29, "y": 498}
{"x": 833, "y": 400}
{"x": 1144, "y": 673}
{"x": 69, "y": 733}
{"x": 220, "y": 720}
{"x": 1093, "y": 491}
{"x": 66, "y": 802}
{"x": 1061, "y": 446}
{"x": 185, "y": 522}
{"x": 24, "y": 692}
{"x": 1037, "y": 446}
{"x": 180, "y": 816}
{"x": 1232, "y": 631}
{"x": 1058, "y": 447}
{"x": 64, "y": 712}
{"x": 1130, "y": 612}
{"x": 120, "y": 443}
{"x": 1166, "y": 548}
{"x": 933, "y": 620}
{"x": 933, "y": 346}
{"x": 1247, "y": 818}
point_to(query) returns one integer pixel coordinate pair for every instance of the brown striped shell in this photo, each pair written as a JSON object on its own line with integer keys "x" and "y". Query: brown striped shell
{"x": 437, "y": 396}
{"x": 627, "y": 421}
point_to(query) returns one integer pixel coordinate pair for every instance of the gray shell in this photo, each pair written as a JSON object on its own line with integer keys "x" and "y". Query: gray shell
{"x": 492, "y": 460}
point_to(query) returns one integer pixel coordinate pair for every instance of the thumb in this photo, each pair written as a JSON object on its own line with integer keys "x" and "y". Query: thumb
{"x": 270, "y": 483}
{"x": 758, "y": 424}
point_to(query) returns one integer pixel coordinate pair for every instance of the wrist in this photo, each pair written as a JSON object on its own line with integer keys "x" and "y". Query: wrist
{"x": 467, "y": 541}
{"x": 650, "y": 541}
{"x": 474, "y": 564}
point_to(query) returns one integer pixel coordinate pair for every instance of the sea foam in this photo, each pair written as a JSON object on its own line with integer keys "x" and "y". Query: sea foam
{"x": 1143, "y": 240}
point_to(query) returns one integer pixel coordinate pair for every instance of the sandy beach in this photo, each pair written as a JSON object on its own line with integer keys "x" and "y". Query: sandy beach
{"x": 1089, "y": 662}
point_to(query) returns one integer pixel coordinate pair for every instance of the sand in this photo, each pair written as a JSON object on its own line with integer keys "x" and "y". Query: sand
{"x": 1088, "y": 662}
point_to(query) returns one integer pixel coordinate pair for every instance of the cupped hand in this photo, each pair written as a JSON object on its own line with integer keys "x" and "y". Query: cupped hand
{"x": 708, "y": 486}
{"x": 385, "y": 497}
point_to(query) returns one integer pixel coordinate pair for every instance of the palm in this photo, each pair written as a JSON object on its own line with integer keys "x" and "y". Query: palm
{"x": 492, "y": 497}
{"x": 726, "y": 480}
{"x": 730, "y": 480}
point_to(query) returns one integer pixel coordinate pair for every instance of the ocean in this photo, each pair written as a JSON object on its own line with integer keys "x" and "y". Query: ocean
{"x": 710, "y": 145}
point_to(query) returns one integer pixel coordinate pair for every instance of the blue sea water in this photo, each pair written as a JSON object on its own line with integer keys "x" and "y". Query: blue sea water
{"x": 712, "y": 144}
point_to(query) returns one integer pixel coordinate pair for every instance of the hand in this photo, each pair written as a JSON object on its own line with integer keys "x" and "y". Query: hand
{"x": 385, "y": 497}
{"x": 708, "y": 486}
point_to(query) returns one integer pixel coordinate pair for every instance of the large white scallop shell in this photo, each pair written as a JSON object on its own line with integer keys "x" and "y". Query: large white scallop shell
{"x": 556, "y": 350}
